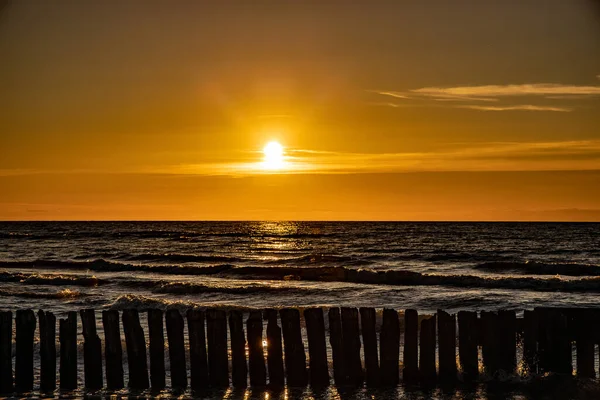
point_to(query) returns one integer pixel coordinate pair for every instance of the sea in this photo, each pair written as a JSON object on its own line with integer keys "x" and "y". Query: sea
{"x": 67, "y": 266}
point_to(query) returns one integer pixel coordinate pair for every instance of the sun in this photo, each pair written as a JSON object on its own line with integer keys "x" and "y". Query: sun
{"x": 273, "y": 156}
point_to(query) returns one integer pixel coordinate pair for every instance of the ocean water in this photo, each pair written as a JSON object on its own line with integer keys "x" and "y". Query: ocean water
{"x": 61, "y": 266}
{"x": 66, "y": 266}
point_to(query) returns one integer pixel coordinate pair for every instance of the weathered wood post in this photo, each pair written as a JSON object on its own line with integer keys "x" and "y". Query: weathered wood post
{"x": 389, "y": 349}
{"x": 530, "y": 342}
{"x": 369, "y": 335}
{"x": 113, "y": 350}
{"x": 216, "y": 333}
{"x": 239, "y": 368}
{"x": 507, "y": 343}
{"x": 554, "y": 341}
{"x": 427, "y": 346}
{"x": 156, "y": 347}
{"x": 295, "y": 358}
{"x": 256, "y": 355}
{"x": 447, "y": 346}
{"x": 467, "y": 345}
{"x": 336, "y": 341}
{"x": 92, "y": 351}
{"x": 274, "y": 350}
{"x": 136, "y": 350}
{"x": 174, "y": 322}
{"x": 25, "y": 328}
{"x": 6, "y": 371}
{"x": 68, "y": 351}
{"x": 489, "y": 342}
{"x": 198, "y": 357}
{"x": 47, "y": 322}
{"x": 317, "y": 347}
{"x": 351, "y": 339}
{"x": 585, "y": 342}
{"x": 410, "y": 372}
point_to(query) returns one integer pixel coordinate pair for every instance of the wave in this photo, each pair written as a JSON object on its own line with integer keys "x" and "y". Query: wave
{"x": 181, "y": 258}
{"x": 540, "y": 268}
{"x": 61, "y": 294}
{"x": 338, "y": 274}
{"x": 143, "y": 303}
{"x": 46, "y": 279}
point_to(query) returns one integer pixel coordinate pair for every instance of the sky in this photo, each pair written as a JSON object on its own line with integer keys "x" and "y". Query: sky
{"x": 386, "y": 110}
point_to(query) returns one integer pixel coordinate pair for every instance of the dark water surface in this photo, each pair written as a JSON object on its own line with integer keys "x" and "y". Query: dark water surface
{"x": 66, "y": 265}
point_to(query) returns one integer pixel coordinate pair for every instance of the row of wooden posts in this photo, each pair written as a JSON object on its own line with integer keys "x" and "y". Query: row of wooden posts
{"x": 547, "y": 336}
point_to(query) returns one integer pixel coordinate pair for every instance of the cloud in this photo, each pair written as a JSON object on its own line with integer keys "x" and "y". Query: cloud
{"x": 523, "y": 107}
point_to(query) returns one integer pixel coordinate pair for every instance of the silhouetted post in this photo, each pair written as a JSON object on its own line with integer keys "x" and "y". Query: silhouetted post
{"x": 369, "y": 335}
{"x": 507, "y": 344}
{"x": 198, "y": 359}
{"x": 256, "y": 355}
{"x": 47, "y": 322}
{"x": 585, "y": 343}
{"x": 447, "y": 345}
{"x": 351, "y": 339}
{"x": 389, "y": 349}
{"x": 25, "y": 328}
{"x": 410, "y": 372}
{"x": 92, "y": 351}
{"x": 489, "y": 342}
{"x": 554, "y": 341}
{"x": 530, "y": 342}
{"x": 274, "y": 350}
{"x": 427, "y": 349}
{"x": 336, "y": 341}
{"x": 295, "y": 358}
{"x": 156, "y": 346}
{"x": 239, "y": 369}
{"x": 216, "y": 332}
{"x": 6, "y": 371}
{"x": 467, "y": 344}
{"x": 317, "y": 348}
{"x": 174, "y": 322}
{"x": 113, "y": 350}
{"x": 136, "y": 350}
{"x": 68, "y": 351}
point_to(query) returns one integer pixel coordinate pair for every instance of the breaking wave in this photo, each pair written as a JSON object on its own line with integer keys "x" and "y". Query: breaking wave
{"x": 539, "y": 268}
{"x": 61, "y": 294}
{"x": 47, "y": 279}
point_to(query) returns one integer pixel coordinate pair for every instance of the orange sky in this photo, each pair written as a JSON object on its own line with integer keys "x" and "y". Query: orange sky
{"x": 388, "y": 110}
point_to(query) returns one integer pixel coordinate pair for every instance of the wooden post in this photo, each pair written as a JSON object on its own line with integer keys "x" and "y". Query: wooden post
{"x": 136, "y": 350}
{"x": 6, "y": 371}
{"x": 554, "y": 341}
{"x": 317, "y": 348}
{"x": 389, "y": 349}
{"x": 216, "y": 332}
{"x": 156, "y": 346}
{"x": 447, "y": 345}
{"x": 198, "y": 359}
{"x": 351, "y": 339}
{"x": 47, "y": 322}
{"x": 113, "y": 350}
{"x": 256, "y": 355}
{"x": 92, "y": 351}
{"x": 410, "y": 372}
{"x": 489, "y": 342}
{"x": 530, "y": 342}
{"x": 174, "y": 322}
{"x": 507, "y": 343}
{"x": 336, "y": 341}
{"x": 68, "y": 351}
{"x": 25, "y": 328}
{"x": 427, "y": 349}
{"x": 295, "y": 358}
{"x": 239, "y": 369}
{"x": 585, "y": 343}
{"x": 274, "y": 350}
{"x": 467, "y": 345}
{"x": 369, "y": 335}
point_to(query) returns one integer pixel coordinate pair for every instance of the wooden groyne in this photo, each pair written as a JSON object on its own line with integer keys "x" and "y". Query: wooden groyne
{"x": 233, "y": 348}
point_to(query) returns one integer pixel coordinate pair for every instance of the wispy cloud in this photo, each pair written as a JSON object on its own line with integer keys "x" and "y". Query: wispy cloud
{"x": 522, "y": 107}
{"x": 495, "y": 93}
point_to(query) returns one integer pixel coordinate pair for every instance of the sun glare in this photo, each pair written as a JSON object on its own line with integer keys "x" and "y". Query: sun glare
{"x": 273, "y": 156}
